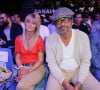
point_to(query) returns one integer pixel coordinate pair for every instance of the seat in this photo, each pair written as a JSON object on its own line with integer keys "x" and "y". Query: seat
{"x": 9, "y": 64}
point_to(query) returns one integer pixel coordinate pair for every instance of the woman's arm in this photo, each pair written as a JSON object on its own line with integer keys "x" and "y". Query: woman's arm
{"x": 18, "y": 60}
{"x": 22, "y": 70}
{"x": 17, "y": 52}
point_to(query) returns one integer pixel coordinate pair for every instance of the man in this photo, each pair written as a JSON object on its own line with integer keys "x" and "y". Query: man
{"x": 44, "y": 31}
{"x": 96, "y": 25}
{"x": 68, "y": 56}
{"x": 78, "y": 24}
{"x": 95, "y": 49}
{"x": 17, "y": 19}
{"x": 8, "y": 31}
{"x": 51, "y": 26}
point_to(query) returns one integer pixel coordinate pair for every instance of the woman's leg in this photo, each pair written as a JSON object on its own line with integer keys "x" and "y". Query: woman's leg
{"x": 28, "y": 82}
{"x": 53, "y": 84}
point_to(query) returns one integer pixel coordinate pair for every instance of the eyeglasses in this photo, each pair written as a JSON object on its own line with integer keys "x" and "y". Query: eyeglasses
{"x": 78, "y": 17}
{"x": 64, "y": 19}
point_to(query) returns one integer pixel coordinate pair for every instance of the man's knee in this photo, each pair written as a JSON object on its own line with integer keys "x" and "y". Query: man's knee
{"x": 91, "y": 83}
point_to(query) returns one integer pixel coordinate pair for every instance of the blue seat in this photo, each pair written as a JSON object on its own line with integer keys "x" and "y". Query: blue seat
{"x": 9, "y": 64}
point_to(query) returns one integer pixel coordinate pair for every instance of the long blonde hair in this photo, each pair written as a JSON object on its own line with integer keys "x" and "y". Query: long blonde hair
{"x": 36, "y": 20}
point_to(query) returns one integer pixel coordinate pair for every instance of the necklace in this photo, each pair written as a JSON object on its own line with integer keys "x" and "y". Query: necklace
{"x": 29, "y": 43}
{"x": 29, "y": 40}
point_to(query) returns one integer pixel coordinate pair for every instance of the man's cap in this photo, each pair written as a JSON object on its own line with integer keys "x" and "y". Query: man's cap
{"x": 62, "y": 12}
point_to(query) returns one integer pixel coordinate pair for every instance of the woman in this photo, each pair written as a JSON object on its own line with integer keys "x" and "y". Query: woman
{"x": 29, "y": 49}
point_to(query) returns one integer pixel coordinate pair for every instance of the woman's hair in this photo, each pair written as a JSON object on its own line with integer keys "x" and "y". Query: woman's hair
{"x": 32, "y": 16}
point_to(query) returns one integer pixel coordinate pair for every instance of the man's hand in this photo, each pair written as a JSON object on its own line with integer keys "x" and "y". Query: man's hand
{"x": 78, "y": 86}
{"x": 67, "y": 86}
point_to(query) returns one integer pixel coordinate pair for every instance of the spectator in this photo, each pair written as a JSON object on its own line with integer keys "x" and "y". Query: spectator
{"x": 78, "y": 23}
{"x": 85, "y": 21}
{"x": 96, "y": 25}
{"x": 95, "y": 46}
{"x": 44, "y": 31}
{"x": 8, "y": 31}
{"x": 17, "y": 19}
{"x": 95, "y": 49}
{"x": 29, "y": 50}
{"x": 68, "y": 57}
{"x": 51, "y": 26}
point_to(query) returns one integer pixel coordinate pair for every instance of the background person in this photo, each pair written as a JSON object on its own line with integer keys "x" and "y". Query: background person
{"x": 44, "y": 31}
{"x": 8, "y": 32}
{"x": 78, "y": 23}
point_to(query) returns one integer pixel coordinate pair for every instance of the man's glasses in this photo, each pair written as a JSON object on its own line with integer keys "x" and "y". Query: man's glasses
{"x": 64, "y": 19}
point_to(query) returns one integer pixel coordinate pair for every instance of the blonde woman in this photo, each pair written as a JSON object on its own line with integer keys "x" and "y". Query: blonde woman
{"x": 29, "y": 49}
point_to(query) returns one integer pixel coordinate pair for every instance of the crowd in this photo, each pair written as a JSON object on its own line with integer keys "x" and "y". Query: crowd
{"x": 66, "y": 42}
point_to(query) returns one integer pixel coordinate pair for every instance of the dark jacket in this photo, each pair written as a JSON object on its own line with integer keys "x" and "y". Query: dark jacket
{"x": 81, "y": 28}
{"x": 15, "y": 30}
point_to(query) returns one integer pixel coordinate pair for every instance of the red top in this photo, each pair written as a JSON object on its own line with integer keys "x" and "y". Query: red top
{"x": 28, "y": 56}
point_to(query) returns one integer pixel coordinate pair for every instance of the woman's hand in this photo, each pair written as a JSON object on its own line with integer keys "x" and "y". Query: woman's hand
{"x": 22, "y": 73}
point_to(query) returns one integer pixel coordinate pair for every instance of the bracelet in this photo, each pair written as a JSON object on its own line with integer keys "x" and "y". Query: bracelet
{"x": 20, "y": 67}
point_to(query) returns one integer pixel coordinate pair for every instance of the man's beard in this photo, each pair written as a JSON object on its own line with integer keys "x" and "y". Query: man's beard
{"x": 63, "y": 33}
{"x": 4, "y": 25}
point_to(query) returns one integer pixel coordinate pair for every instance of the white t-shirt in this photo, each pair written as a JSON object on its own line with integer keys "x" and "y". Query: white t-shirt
{"x": 22, "y": 25}
{"x": 68, "y": 63}
{"x": 7, "y": 33}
